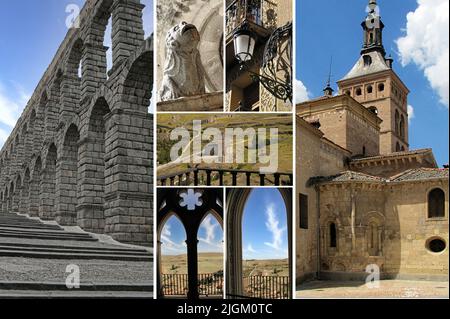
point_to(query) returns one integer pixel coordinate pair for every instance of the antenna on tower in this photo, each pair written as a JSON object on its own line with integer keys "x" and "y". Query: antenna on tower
{"x": 328, "y": 89}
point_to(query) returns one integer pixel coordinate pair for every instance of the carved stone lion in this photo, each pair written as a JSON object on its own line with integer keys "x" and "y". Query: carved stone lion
{"x": 183, "y": 73}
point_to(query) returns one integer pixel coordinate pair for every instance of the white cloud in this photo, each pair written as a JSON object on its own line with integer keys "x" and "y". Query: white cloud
{"x": 210, "y": 228}
{"x": 273, "y": 226}
{"x": 250, "y": 249}
{"x": 426, "y": 44}
{"x": 411, "y": 114}
{"x": 301, "y": 92}
{"x": 168, "y": 243}
{"x": 12, "y": 102}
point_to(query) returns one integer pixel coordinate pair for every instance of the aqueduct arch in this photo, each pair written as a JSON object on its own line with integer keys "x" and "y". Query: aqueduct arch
{"x": 87, "y": 134}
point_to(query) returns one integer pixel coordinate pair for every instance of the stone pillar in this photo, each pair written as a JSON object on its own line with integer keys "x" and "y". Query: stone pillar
{"x": 16, "y": 200}
{"x": 52, "y": 111}
{"x": 24, "y": 198}
{"x": 33, "y": 203}
{"x": 70, "y": 96}
{"x": 93, "y": 69}
{"x": 38, "y": 133}
{"x": 192, "y": 265}
{"x": 47, "y": 192}
{"x": 129, "y": 177}
{"x": 127, "y": 28}
{"x": 66, "y": 179}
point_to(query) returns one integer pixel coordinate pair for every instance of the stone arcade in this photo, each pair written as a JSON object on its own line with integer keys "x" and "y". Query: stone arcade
{"x": 81, "y": 153}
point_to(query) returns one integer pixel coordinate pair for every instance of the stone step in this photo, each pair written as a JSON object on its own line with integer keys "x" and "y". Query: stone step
{"x": 84, "y": 248}
{"x": 72, "y": 255}
{"x": 76, "y": 250}
{"x": 41, "y": 232}
{"x": 58, "y": 290}
{"x": 48, "y": 237}
{"x": 73, "y": 295}
{"x": 31, "y": 226}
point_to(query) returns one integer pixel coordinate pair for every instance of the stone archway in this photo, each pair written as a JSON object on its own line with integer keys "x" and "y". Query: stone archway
{"x": 236, "y": 200}
{"x": 67, "y": 177}
{"x": 91, "y": 200}
{"x": 48, "y": 185}
{"x": 191, "y": 214}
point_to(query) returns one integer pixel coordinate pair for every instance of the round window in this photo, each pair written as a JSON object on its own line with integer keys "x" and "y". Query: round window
{"x": 436, "y": 245}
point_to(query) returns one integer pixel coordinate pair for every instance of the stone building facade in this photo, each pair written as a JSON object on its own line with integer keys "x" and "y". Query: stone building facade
{"x": 81, "y": 152}
{"x": 365, "y": 201}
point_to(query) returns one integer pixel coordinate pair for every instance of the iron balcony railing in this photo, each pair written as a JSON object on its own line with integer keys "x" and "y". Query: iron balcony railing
{"x": 267, "y": 287}
{"x": 218, "y": 177}
{"x": 209, "y": 285}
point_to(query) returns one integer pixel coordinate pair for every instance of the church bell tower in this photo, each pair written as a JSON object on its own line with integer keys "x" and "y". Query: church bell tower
{"x": 373, "y": 82}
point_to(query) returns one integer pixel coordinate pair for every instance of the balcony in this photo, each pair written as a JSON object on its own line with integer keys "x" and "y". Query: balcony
{"x": 261, "y": 15}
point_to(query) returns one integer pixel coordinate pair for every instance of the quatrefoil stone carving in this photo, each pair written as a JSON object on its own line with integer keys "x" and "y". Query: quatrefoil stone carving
{"x": 191, "y": 199}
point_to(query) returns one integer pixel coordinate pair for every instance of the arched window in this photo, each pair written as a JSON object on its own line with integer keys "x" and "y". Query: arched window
{"x": 358, "y": 92}
{"x": 373, "y": 236}
{"x": 397, "y": 122}
{"x": 436, "y": 203}
{"x": 333, "y": 235}
{"x": 370, "y": 89}
{"x": 398, "y": 147}
{"x": 381, "y": 87}
{"x": 347, "y": 92}
{"x": 402, "y": 126}
{"x": 364, "y": 151}
{"x": 367, "y": 60}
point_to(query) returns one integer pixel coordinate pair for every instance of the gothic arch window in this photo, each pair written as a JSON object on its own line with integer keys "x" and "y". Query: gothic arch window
{"x": 333, "y": 235}
{"x": 436, "y": 203}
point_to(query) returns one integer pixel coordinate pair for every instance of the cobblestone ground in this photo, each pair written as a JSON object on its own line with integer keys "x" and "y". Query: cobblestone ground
{"x": 387, "y": 289}
{"x": 91, "y": 271}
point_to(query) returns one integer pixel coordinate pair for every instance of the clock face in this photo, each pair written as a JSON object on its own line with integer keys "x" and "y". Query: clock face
{"x": 211, "y": 48}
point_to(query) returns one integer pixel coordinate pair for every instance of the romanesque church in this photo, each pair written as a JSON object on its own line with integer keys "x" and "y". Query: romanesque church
{"x": 365, "y": 200}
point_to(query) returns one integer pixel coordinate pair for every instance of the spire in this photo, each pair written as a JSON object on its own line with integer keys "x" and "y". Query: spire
{"x": 328, "y": 90}
{"x": 373, "y": 30}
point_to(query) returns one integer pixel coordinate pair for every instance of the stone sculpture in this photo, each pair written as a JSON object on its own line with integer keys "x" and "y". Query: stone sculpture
{"x": 184, "y": 74}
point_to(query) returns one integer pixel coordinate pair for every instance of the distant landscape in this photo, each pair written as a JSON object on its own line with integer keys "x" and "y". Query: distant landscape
{"x": 168, "y": 122}
{"x": 208, "y": 263}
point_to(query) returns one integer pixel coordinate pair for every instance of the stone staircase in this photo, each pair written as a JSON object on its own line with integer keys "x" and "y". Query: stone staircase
{"x": 44, "y": 249}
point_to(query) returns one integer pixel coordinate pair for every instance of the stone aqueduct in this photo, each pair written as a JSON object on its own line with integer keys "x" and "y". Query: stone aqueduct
{"x": 81, "y": 152}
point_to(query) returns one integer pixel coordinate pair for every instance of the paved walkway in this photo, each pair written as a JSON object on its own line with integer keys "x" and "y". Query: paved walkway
{"x": 387, "y": 289}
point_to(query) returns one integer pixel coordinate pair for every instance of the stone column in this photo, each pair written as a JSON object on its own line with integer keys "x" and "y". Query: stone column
{"x": 93, "y": 68}
{"x": 192, "y": 265}
{"x": 47, "y": 193}
{"x": 129, "y": 177}
{"x": 70, "y": 96}
{"x": 33, "y": 203}
{"x": 127, "y": 28}
{"x": 24, "y": 198}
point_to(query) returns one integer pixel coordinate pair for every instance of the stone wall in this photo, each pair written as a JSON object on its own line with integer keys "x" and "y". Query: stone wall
{"x": 81, "y": 153}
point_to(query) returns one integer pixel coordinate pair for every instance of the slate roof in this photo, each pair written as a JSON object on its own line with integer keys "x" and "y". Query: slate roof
{"x": 360, "y": 69}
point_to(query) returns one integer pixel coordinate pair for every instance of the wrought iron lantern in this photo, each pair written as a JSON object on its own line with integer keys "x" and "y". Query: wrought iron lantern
{"x": 276, "y": 71}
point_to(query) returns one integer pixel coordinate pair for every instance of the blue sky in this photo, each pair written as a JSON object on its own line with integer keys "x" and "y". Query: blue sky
{"x": 264, "y": 226}
{"x": 328, "y": 28}
{"x": 173, "y": 237}
{"x": 30, "y": 34}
